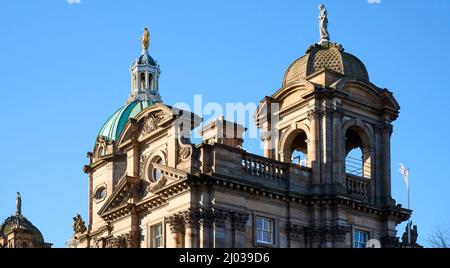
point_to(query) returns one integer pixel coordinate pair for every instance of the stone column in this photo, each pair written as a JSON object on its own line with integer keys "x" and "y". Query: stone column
{"x": 326, "y": 144}
{"x": 338, "y": 176}
{"x": 313, "y": 149}
{"x": 192, "y": 223}
{"x": 239, "y": 223}
{"x": 386, "y": 133}
{"x": 206, "y": 229}
{"x": 147, "y": 83}
{"x": 176, "y": 227}
{"x": 220, "y": 219}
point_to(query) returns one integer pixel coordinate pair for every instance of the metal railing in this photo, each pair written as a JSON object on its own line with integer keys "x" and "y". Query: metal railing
{"x": 357, "y": 167}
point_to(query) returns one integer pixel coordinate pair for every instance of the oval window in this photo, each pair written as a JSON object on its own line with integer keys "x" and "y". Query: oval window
{"x": 100, "y": 193}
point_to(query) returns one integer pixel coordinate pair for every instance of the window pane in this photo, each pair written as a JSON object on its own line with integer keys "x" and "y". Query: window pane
{"x": 259, "y": 237}
{"x": 259, "y": 224}
{"x": 360, "y": 239}
{"x": 269, "y": 225}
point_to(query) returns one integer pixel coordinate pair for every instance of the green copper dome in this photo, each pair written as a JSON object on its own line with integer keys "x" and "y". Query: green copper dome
{"x": 115, "y": 124}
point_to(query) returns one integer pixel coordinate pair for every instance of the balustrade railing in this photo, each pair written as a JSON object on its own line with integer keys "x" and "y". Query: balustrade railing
{"x": 261, "y": 168}
{"x": 358, "y": 187}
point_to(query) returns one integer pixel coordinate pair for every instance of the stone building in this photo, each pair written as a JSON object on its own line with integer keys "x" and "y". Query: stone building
{"x": 18, "y": 232}
{"x": 149, "y": 186}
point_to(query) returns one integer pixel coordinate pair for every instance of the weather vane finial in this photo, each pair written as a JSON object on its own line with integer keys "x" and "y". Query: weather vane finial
{"x": 146, "y": 39}
{"x": 323, "y": 26}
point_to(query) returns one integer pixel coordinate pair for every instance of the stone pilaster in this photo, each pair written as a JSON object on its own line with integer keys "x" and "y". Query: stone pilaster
{"x": 239, "y": 223}
{"x": 338, "y": 176}
{"x": 191, "y": 219}
{"x": 314, "y": 116}
{"x": 296, "y": 236}
{"x": 220, "y": 218}
{"x": 176, "y": 227}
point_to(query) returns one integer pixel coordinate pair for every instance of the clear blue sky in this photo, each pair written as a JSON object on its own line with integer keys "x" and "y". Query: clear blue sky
{"x": 64, "y": 70}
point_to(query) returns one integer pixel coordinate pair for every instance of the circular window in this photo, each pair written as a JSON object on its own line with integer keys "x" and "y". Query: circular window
{"x": 100, "y": 194}
{"x": 156, "y": 173}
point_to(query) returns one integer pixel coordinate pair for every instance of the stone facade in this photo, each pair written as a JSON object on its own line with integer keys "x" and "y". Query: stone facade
{"x": 151, "y": 187}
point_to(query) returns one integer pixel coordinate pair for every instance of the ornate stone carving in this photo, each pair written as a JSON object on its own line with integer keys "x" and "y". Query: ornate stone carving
{"x": 151, "y": 124}
{"x": 102, "y": 146}
{"x": 79, "y": 226}
{"x": 176, "y": 223}
{"x": 239, "y": 221}
{"x": 185, "y": 149}
{"x": 157, "y": 185}
{"x": 122, "y": 241}
{"x": 192, "y": 217}
{"x": 266, "y": 136}
{"x": 314, "y": 114}
{"x": 316, "y": 47}
{"x": 95, "y": 243}
{"x": 143, "y": 164}
{"x": 336, "y": 233}
{"x": 220, "y": 217}
{"x": 295, "y": 232}
{"x": 413, "y": 239}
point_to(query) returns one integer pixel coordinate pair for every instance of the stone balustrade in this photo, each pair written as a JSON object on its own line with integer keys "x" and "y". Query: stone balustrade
{"x": 358, "y": 187}
{"x": 228, "y": 161}
{"x": 261, "y": 167}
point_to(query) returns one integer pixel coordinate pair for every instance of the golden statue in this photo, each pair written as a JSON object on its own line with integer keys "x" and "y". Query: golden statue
{"x": 146, "y": 39}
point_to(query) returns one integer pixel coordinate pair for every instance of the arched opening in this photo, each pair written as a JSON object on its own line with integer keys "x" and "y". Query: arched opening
{"x": 357, "y": 153}
{"x": 299, "y": 150}
{"x": 151, "y": 81}
{"x": 142, "y": 85}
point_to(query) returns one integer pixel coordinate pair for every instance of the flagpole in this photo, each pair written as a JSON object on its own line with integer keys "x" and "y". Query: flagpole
{"x": 409, "y": 207}
{"x": 405, "y": 172}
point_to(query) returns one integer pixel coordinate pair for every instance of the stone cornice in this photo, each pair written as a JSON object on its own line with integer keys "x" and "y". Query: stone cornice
{"x": 307, "y": 200}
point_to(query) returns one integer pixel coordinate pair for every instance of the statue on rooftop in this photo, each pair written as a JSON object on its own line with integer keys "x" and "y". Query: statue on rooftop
{"x": 79, "y": 226}
{"x": 18, "y": 204}
{"x": 146, "y": 39}
{"x": 323, "y": 25}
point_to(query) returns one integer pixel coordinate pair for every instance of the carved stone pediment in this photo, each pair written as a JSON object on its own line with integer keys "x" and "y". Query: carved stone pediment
{"x": 151, "y": 123}
{"x": 127, "y": 189}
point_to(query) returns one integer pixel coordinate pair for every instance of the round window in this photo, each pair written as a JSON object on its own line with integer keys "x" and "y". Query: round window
{"x": 156, "y": 173}
{"x": 100, "y": 193}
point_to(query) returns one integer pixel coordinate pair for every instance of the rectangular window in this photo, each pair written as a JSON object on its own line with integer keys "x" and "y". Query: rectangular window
{"x": 264, "y": 230}
{"x": 360, "y": 239}
{"x": 157, "y": 236}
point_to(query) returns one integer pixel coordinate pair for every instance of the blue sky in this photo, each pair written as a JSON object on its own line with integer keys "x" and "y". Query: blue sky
{"x": 64, "y": 71}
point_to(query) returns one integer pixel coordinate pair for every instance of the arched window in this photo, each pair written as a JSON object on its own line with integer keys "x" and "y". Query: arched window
{"x": 299, "y": 150}
{"x": 357, "y": 153}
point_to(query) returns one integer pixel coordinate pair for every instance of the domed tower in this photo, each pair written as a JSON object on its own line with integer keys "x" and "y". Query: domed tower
{"x": 142, "y": 134}
{"x": 18, "y": 232}
{"x": 328, "y": 117}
